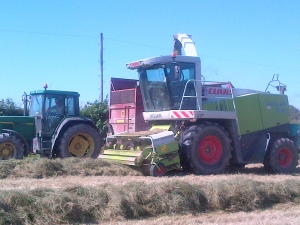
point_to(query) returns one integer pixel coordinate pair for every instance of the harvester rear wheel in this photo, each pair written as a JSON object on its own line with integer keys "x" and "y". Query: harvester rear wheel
{"x": 281, "y": 157}
{"x": 158, "y": 170}
{"x": 81, "y": 141}
{"x": 10, "y": 147}
{"x": 207, "y": 148}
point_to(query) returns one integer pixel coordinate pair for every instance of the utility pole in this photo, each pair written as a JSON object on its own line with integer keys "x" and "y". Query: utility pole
{"x": 101, "y": 67}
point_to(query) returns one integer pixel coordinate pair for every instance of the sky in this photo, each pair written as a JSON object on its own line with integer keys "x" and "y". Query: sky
{"x": 57, "y": 42}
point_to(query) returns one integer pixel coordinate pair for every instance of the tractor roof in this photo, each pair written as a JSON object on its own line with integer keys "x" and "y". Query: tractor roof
{"x": 55, "y": 92}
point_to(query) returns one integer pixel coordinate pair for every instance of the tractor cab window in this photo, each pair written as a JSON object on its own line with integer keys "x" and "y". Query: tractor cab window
{"x": 55, "y": 105}
{"x": 55, "y": 110}
{"x": 36, "y": 105}
{"x": 70, "y": 106}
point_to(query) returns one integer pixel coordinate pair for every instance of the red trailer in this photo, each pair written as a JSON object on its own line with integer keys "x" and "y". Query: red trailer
{"x": 126, "y": 106}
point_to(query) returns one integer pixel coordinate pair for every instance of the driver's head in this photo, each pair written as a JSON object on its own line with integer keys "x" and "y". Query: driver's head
{"x": 59, "y": 101}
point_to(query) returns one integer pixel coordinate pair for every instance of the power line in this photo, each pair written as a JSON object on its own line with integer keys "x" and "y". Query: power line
{"x": 251, "y": 63}
{"x": 48, "y": 33}
{"x": 136, "y": 43}
{"x": 76, "y": 35}
{"x": 132, "y": 43}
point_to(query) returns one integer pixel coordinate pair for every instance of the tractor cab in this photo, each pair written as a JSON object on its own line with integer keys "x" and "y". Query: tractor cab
{"x": 50, "y": 108}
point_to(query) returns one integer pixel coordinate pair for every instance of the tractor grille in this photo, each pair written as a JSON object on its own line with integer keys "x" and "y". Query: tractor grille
{"x": 122, "y": 97}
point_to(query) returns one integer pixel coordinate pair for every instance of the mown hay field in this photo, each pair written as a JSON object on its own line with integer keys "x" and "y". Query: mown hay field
{"x": 94, "y": 191}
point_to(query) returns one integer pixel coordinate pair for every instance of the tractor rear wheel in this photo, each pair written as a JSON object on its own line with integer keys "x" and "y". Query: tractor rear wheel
{"x": 207, "y": 148}
{"x": 10, "y": 147}
{"x": 82, "y": 141}
{"x": 281, "y": 157}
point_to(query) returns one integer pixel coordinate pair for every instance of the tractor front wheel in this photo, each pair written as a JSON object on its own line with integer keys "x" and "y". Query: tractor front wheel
{"x": 82, "y": 141}
{"x": 281, "y": 157}
{"x": 10, "y": 147}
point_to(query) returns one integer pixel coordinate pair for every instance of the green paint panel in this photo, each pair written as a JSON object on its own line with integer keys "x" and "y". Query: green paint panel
{"x": 274, "y": 109}
{"x": 220, "y": 105}
{"x": 167, "y": 148}
{"x": 22, "y": 124}
{"x": 169, "y": 162}
{"x": 248, "y": 111}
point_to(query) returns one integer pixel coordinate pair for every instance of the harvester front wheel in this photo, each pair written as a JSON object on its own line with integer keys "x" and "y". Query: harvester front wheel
{"x": 82, "y": 141}
{"x": 158, "y": 170}
{"x": 281, "y": 157}
{"x": 10, "y": 147}
{"x": 207, "y": 147}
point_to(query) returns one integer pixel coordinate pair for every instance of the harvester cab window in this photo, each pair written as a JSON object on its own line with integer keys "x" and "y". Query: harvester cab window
{"x": 181, "y": 78}
{"x": 168, "y": 86}
{"x": 154, "y": 89}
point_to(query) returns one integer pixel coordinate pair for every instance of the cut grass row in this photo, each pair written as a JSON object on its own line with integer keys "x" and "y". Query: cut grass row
{"x": 140, "y": 200}
{"x": 112, "y": 201}
{"x": 45, "y": 168}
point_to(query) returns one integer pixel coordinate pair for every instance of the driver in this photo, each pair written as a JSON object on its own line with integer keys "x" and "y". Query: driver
{"x": 59, "y": 106}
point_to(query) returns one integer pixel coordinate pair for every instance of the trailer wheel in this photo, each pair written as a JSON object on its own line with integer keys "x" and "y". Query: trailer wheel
{"x": 207, "y": 148}
{"x": 10, "y": 147}
{"x": 282, "y": 157}
{"x": 158, "y": 170}
{"x": 81, "y": 141}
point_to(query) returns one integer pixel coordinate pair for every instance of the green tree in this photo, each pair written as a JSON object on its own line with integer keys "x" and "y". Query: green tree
{"x": 294, "y": 114}
{"x": 98, "y": 112}
{"x": 9, "y": 108}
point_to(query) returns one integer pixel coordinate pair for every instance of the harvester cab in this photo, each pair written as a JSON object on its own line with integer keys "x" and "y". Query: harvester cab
{"x": 215, "y": 124}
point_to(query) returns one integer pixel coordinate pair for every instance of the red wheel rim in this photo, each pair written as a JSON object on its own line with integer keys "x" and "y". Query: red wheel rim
{"x": 210, "y": 149}
{"x": 160, "y": 170}
{"x": 285, "y": 157}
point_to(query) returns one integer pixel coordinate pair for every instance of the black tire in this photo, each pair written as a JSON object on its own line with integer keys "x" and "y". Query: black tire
{"x": 281, "y": 157}
{"x": 158, "y": 170}
{"x": 10, "y": 147}
{"x": 185, "y": 142}
{"x": 81, "y": 141}
{"x": 206, "y": 147}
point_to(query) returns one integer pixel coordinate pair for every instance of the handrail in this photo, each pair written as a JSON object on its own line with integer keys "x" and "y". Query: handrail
{"x": 281, "y": 88}
{"x": 219, "y": 98}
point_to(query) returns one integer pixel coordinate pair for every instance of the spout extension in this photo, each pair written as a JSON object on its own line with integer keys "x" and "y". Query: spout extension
{"x": 185, "y": 42}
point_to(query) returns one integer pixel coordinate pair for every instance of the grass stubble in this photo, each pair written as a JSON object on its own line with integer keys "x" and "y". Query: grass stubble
{"x": 73, "y": 191}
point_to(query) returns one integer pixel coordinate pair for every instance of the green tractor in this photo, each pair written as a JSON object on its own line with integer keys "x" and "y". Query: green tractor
{"x": 53, "y": 128}
{"x": 203, "y": 126}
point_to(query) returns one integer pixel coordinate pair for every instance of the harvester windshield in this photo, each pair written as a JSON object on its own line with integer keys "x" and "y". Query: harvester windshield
{"x": 164, "y": 86}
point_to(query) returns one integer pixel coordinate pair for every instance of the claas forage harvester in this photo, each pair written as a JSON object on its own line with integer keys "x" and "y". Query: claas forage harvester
{"x": 196, "y": 125}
